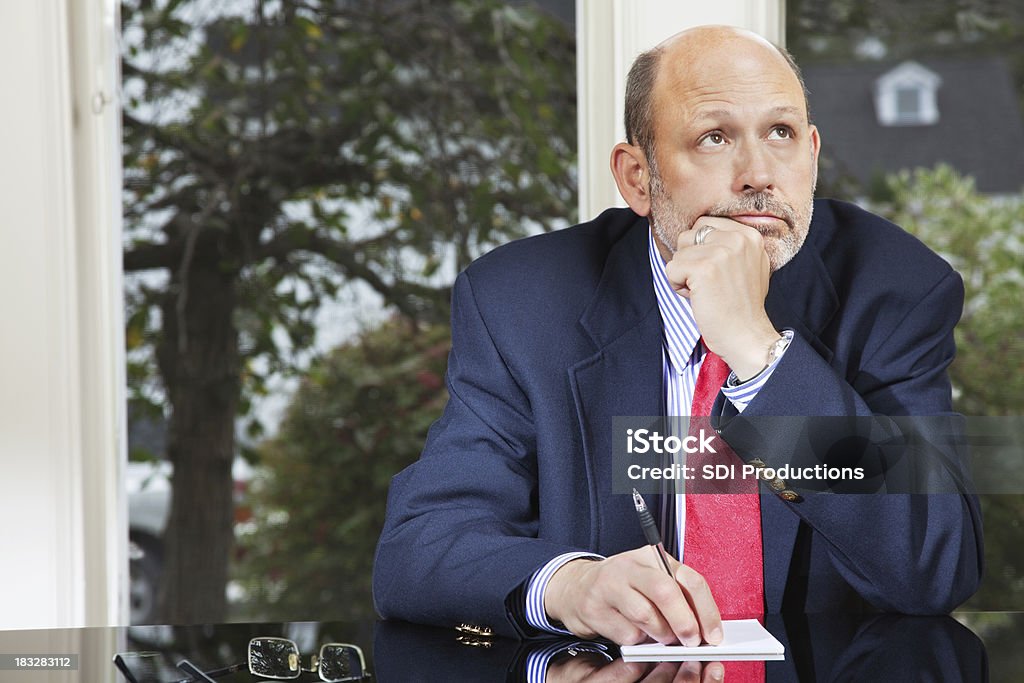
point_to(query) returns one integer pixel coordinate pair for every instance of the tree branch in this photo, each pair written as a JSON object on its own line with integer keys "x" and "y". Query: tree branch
{"x": 410, "y": 298}
{"x": 150, "y": 257}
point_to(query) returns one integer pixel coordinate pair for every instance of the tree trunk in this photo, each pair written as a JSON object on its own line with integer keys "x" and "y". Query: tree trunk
{"x": 198, "y": 359}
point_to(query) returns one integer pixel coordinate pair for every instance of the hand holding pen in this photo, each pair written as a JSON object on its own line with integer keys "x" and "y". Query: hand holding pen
{"x": 629, "y": 599}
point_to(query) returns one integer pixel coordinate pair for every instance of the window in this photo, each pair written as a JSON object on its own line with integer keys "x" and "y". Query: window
{"x": 908, "y": 103}
{"x": 905, "y": 96}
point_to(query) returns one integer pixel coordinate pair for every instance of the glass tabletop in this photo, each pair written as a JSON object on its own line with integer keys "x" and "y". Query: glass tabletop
{"x": 970, "y": 646}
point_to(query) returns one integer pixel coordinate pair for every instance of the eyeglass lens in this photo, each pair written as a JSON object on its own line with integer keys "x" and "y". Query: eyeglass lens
{"x": 274, "y": 658}
{"x": 340, "y": 662}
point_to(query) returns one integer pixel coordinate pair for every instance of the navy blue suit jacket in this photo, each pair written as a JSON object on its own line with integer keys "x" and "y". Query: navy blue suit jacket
{"x": 554, "y": 335}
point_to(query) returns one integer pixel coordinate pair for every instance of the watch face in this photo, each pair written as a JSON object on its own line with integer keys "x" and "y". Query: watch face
{"x": 778, "y": 348}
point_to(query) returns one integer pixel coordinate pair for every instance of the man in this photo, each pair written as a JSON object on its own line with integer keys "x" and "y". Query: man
{"x": 508, "y": 520}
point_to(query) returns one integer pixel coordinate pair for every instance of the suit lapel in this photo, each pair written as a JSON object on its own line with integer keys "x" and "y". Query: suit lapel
{"x": 622, "y": 378}
{"x": 801, "y": 295}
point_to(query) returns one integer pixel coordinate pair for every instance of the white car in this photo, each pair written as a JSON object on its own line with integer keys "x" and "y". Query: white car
{"x": 149, "y": 504}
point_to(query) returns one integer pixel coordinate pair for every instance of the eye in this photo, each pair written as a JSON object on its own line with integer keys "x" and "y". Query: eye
{"x": 781, "y": 133}
{"x": 712, "y": 139}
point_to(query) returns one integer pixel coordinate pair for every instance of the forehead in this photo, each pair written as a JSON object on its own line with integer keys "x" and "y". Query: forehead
{"x": 737, "y": 78}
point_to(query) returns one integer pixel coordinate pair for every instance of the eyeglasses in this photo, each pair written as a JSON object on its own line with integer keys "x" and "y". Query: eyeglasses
{"x": 279, "y": 659}
{"x": 268, "y": 658}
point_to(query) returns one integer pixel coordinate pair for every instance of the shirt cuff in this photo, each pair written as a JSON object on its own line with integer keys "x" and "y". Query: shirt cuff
{"x": 538, "y": 584}
{"x": 539, "y": 659}
{"x": 741, "y": 394}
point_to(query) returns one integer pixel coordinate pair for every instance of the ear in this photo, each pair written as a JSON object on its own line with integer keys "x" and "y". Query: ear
{"x": 632, "y": 176}
{"x": 815, "y": 143}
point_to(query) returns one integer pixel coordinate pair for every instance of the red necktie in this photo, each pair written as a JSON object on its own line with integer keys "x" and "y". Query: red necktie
{"x": 723, "y": 517}
{"x": 723, "y": 529}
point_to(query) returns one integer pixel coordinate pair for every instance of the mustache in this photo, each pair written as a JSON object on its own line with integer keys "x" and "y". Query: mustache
{"x": 755, "y": 202}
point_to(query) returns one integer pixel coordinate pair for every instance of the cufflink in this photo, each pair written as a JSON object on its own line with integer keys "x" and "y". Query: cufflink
{"x": 474, "y": 630}
{"x": 474, "y": 636}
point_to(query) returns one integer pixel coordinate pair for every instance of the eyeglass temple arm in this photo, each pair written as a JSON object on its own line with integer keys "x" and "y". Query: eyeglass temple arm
{"x": 123, "y": 668}
{"x": 196, "y": 674}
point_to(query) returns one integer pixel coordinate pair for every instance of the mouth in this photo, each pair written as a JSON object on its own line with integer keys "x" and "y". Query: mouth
{"x": 765, "y": 223}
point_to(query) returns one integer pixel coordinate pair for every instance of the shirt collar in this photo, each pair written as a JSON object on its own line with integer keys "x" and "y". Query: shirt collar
{"x": 680, "y": 329}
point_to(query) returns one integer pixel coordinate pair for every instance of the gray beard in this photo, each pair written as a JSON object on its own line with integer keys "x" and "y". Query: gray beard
{"x": 668, "y": 222}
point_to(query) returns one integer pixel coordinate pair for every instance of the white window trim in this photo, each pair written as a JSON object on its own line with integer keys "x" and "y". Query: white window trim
{"x": 61, "y": 356}
{"x": 609, "y": 36}
{"x": 62, "y": 426}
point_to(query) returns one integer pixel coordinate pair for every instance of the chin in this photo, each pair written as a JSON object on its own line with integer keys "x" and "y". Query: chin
{"x": 781, "y": 250}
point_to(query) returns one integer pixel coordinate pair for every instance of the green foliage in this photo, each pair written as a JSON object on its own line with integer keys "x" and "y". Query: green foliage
{"x": 907, "y": 29}
{"x": 276, "y": 153}
{"x": 299, "y": 146}
{"x": 1003, "y": 584}
{"x": 360, "y": 415}
{"x": 983, "y": 237}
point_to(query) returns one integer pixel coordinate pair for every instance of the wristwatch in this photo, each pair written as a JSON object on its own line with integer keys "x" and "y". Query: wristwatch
{"x": 778, "y": 348}
{"x": 775, "y": 351}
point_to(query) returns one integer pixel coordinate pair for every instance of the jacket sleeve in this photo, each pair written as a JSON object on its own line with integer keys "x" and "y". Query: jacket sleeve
{"x": 915, "y": 553}
{"x": 460, "y": 531}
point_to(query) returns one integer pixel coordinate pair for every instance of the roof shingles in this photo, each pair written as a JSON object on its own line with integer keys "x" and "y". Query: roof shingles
{"x": 979, "y": 132}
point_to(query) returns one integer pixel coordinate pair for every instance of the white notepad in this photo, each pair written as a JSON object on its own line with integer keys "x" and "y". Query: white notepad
{"x": 744, "y": 639}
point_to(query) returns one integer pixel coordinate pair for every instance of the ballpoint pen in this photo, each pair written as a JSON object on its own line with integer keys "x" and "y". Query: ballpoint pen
{"x": 650, "y": 529}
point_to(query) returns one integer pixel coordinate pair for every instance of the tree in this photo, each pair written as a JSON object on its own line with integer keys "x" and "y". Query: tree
{"x": 983, "y": 239}
{"x": 839, "y": 28}
{"x": 360, "y": 415}
{"x": 276, "y": 156}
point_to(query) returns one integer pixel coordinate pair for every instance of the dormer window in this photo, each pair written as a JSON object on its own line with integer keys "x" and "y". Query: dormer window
{"x": 905, "y": 96}
{"x": 908, "y": 103}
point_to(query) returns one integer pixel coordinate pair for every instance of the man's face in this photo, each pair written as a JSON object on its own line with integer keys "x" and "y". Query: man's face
{"x": 732, "y": 139}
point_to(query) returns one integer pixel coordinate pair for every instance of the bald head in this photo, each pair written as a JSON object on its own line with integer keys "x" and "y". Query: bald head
{"x": 691, "y": 55}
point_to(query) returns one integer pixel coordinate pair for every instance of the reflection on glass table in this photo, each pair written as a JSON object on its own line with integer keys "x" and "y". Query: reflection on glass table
{"x": 975, "y": 646}
{"x": 818, "y": 648}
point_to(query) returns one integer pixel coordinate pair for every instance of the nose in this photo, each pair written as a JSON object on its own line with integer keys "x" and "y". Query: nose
{"x": 754, "y": 171}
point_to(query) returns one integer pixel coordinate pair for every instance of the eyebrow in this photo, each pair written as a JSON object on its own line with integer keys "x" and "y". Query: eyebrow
{"x": 726, "y": 114}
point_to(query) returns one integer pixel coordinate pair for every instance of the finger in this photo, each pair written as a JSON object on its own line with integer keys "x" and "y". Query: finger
{"x": 572, "y": 669}
{"x": 678, "y": 273}
{"x": 620, "y": 671}
{"x": 714, "y": 672}
{"x": 705, "y": 609}
{"x": 688, "y": 267}
{"x": 688, "y": 672}
{"x": 666, "y": 672}
{"x": 643, "y": 605}
{"x": 726, "y": 232}
{"x": 680, "y": 619}
{"x": 688, "y": 238}
{"x": 688, "y": 271}
{"x": 611, "y": 624}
